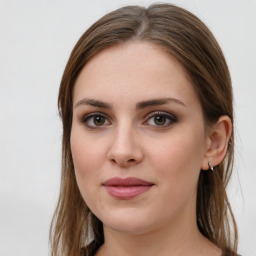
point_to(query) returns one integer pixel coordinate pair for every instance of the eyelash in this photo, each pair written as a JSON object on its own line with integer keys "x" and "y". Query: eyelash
{"x": 170, "y": 118}
{"x": 87, "y": 118}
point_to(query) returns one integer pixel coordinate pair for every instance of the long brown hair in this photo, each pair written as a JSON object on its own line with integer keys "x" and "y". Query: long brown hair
{"x": 185, "y": 37}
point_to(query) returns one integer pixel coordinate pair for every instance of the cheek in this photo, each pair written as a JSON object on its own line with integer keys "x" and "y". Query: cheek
{"x": 174, "y": 154}
{"x": 178, "y": 160}
{"x": 87, "y": 156}
{"x": 178, "y": 166}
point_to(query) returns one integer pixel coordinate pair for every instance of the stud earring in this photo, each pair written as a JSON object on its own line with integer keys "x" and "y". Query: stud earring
{"x": 210, "y": 166}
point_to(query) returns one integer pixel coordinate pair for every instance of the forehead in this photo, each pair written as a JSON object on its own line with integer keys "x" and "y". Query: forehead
{"x": 134, "y": 71}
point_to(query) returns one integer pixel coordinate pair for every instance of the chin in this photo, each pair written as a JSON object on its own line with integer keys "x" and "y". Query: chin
{"x": 129, "y": 228}
{"x": 128, "y": 222}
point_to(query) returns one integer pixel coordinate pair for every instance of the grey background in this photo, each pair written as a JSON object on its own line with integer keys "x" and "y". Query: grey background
{"x": 36, "y": 38}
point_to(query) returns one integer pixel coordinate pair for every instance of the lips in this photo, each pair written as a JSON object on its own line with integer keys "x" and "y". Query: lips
{"x": 127, "y": 188}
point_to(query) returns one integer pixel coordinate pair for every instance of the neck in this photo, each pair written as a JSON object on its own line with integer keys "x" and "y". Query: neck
{"x": 178, "y": 238}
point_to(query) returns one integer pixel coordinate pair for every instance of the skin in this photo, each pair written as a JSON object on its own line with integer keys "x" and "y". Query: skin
{"x": 128, "y": 142}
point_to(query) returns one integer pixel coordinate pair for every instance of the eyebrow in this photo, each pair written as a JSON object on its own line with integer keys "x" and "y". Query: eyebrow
{"x": 158, "y": 102}
{"x": 139, "y": 105}
{"x": 94, "y": 103}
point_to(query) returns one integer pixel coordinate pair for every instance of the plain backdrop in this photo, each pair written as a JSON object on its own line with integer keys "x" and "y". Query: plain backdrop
{"x": 36, "y": 38}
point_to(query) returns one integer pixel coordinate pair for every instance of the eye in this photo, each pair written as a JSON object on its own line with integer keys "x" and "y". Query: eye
{"x": 95, "y": 120}
{"x": 160, "y": 119}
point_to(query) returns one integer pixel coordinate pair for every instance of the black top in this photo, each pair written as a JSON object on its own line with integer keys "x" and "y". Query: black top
{"x": 91, "y": 250}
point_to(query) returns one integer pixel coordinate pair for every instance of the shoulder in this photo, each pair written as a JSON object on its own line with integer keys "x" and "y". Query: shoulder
{"x": 89, "y": 250}
{"x": 84, "y": 252}
{"x": 230, "y": 254}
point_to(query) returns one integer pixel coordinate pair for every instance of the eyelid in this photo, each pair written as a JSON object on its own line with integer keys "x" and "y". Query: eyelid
{"x": 171, "y": 117}
{"x": 86, "y": 117}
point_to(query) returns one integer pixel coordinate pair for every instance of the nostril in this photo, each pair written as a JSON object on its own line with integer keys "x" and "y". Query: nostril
{"x": 113, "y": 161}
{"x": 122, "y": 162}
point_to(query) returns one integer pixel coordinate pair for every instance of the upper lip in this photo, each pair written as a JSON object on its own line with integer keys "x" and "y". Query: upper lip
{"x": 130, "y": 181}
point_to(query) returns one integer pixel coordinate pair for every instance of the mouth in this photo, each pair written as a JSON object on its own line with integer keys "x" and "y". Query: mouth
{"x": 127, "y": 188}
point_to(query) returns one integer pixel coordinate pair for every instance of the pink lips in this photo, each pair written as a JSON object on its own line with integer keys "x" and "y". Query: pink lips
{"x": 126, "y": 188}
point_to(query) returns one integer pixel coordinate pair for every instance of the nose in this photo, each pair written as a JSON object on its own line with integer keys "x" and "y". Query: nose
{"x": 125, "y": 149}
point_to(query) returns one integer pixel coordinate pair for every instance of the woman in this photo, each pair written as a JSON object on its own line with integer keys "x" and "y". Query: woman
{"x": 146, "y": 105}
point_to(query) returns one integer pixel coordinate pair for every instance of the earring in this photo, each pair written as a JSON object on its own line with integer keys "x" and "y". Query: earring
{"x": 210, "y": 166}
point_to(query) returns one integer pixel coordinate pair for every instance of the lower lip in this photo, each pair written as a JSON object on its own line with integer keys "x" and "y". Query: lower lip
{"x": 126, "y": 192}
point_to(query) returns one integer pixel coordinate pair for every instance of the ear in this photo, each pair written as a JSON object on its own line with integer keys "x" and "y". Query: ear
{"x": 217, "y": 142}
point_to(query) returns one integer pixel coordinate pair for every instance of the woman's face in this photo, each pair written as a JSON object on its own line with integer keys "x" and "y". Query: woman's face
{"x": 138, "y": 138}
